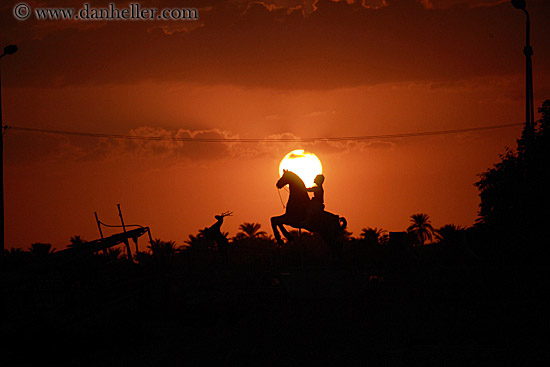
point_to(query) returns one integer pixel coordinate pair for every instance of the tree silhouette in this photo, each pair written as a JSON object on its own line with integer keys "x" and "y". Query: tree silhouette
{"x": 142, "y": 257}
{"x": 449, "y": 234}
{"x": 346, "y": 235}
{"x": 163, "y": 249}
{"x": 15, "y": 257}
{"x": 113, "y": 254}
{"x": 205, "y": 234}
{"x": 202, "y": 232}
{"x": 515, "y": 194}
{"x": 250, "y": 237}
{"x": 13, "y": 252}
{"x": 373, "y": 236}
{"x": 420, "y": 229}
{"x": 198, "y": 242}
{"x": 76, "y": 241}
{"x": 41, "y": 249}
{"x": 250, "y": 230}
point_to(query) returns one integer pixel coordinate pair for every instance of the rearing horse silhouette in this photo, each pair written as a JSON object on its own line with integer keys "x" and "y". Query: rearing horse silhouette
{"x": 329, "y": 226}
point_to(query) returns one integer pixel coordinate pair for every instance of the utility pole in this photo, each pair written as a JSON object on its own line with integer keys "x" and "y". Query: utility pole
{"x": 529, "y": 130}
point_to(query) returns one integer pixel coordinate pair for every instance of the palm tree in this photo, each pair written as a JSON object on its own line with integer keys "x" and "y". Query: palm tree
{"x": 450, "y": 234}
{"x": 345, "y": 235}
{"x": 373, "y": 236}
{"x": 41, "y": 249}
{"x": 198, "y": 242}
{"x": 250, "y": 230}
{"x": 421, "y": 229}
{"x": 113, "y": 254}
{"x": 15, "y": 257}
{"x": 77, "y": 241}
{"x": 13, "y": 252}
{"x": 163, "y": 248}
{"x": 205, "y": 234}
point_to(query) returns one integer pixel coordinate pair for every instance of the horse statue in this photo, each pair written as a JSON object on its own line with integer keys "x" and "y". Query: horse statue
{"x": 329, "y": 226}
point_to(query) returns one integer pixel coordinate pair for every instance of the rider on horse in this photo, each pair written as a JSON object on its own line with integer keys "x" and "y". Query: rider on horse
{"x": 316, "y": 205}
{"x": 318, "y": 200}
{"x": 328, "y": 225}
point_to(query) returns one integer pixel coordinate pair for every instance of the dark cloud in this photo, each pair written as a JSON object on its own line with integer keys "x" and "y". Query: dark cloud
{"x": 267, "y": 44}
{"x": 179, "y": 149}
{"x": 29, "y": 147}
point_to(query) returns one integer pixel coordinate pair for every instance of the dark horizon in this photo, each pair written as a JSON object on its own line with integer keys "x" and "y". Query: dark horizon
{"x": 261, "y": 70}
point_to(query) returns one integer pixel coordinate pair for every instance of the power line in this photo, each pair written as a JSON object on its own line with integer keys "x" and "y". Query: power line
{"x": 258, "y": 140}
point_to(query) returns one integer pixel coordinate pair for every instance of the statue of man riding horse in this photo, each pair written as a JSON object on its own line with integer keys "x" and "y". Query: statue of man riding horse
{"x": 301, "y": 212}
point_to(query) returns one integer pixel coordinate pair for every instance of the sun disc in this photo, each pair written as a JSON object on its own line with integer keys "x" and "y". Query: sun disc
{"x": 303, "y": 163}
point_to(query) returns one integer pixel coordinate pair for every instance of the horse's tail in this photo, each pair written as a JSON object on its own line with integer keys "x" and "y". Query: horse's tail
{"x": 343, "y": 223}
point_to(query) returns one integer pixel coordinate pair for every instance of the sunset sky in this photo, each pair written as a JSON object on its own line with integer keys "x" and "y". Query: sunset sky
{"x": 260, "y": 70}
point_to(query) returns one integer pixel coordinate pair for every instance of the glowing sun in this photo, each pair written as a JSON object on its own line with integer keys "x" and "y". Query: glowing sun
{"x": 304, "y": 164}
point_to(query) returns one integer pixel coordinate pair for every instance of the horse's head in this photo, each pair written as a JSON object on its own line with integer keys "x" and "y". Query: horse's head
{"x": 287, "y": 178}
{"x": 298, "y": 199}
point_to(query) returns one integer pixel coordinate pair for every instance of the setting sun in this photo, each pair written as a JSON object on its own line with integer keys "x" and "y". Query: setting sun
{"x": 303, "y": 163}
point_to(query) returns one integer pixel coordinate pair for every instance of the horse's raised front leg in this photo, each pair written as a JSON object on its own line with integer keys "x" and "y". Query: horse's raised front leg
{"x": 286, "y": 233}
{"x": 277, "y": 224}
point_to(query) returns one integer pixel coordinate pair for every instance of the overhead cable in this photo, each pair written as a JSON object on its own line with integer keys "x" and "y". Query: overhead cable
{"x": 258, "y": 140}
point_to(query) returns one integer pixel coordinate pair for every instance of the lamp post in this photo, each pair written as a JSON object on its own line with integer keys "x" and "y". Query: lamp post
{"x": 529, "y": 130}
{"x": 8, "y": 50}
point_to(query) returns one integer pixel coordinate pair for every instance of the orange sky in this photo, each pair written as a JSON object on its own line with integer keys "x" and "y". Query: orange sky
{"x": 258, "y": 70}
